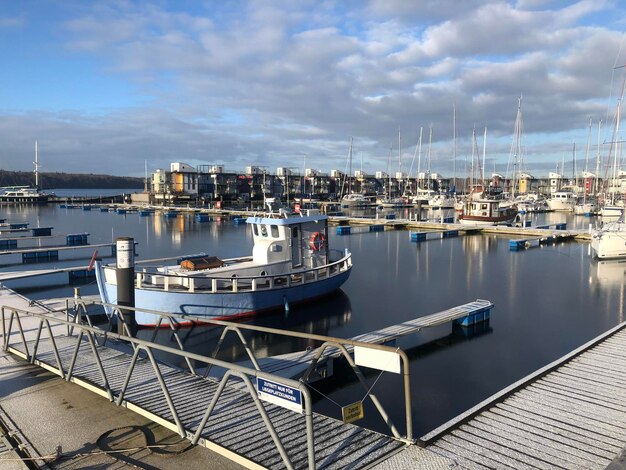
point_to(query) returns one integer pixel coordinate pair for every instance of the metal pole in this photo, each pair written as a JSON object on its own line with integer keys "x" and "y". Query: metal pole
{"x": 125, "y": 273}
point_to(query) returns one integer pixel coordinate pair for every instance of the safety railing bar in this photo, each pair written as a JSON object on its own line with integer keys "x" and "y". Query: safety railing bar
{"x": 247, "y": 347}
{"x": 36, "y": 345}
{"x": 268, "y": 422}
{"x": 182, "y": 348}
{"x": 371, "y": 395}
{"x": 129, "y": 373}
{"x": 260, "y": 408}
{"x": 344, "y": 352}
{"x": 209, "y": 410}
{"x": 166, "y": 393}
{"x": 4, "y": 333}
{"x": 167, "y": 349}
{"x": 21, "y": 330}
{"x": 55, "y": 349}
{"x": 70, "y": 371}
{"x": 103, "y": 375}
{"x": 338, "y": 262}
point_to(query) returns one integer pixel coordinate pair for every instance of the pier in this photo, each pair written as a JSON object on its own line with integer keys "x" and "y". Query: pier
{"x": 569, "y": 414}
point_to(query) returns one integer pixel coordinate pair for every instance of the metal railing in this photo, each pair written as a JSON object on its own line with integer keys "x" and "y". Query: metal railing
{"x": 148, "y": 279}
{"x": 77, "y": 327}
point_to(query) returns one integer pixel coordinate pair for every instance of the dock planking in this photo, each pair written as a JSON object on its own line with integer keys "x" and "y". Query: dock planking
{"x": 570, "y": 414}
{"x": 295, "y": 364}
{"x": 337, "y": 445}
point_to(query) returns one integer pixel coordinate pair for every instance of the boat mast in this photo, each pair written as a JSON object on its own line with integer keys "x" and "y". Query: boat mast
{"x": 483, "y": 174}
{"x": 454, "y": 147}
{"x": 419, "y": 161}
{"x": 399, "y": 163}
{"x": 595, "y": 188}
{"x": 388, "y": 195}
{"x": 430, "y": 144}
{"x": 36, "y": 166}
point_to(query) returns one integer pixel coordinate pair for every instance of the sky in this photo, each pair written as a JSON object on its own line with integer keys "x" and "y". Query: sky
{"x": 115, "y": 86}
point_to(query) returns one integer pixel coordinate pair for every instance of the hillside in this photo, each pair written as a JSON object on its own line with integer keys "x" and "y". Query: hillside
{"x": 69, "y": 180}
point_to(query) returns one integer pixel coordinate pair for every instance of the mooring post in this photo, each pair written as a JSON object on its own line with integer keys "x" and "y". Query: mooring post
{"x": 125, "y": 273}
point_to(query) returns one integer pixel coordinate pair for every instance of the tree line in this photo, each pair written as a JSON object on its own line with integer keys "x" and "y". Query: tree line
{"x": 69, "y": 180}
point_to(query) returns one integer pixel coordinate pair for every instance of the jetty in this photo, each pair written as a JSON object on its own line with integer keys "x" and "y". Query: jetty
{"x": 569, "y": 414}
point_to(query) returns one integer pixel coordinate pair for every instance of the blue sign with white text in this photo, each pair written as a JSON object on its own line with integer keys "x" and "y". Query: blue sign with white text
{"x": 279, "y": 394}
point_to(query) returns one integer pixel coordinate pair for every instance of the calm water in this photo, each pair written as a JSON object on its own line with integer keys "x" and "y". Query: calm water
{"x": 548, "y": 301}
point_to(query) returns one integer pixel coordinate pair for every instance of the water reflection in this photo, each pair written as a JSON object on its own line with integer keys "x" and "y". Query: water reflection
{"x": 202, "y": 339}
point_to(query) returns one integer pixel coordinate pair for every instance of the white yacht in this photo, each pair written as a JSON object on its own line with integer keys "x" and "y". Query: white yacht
{"x": 609, "y": 241}
{"x": 563, "y": 200}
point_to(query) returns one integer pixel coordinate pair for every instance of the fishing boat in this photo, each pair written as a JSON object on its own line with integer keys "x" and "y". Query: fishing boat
{"x": 290, "y": 263}
{"x": 609, "y": 241}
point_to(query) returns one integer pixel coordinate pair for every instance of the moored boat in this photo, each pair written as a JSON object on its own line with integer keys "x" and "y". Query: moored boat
{"x": 290, "y": 263}
{"x": 563, "y": 200}
{"x": 22, "y": 195}
{"x": 487, "y": 208}
{"x": 609, "y": 241}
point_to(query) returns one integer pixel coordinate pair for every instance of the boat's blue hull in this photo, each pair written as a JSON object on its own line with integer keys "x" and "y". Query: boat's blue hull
{"x": 227, "y": 305}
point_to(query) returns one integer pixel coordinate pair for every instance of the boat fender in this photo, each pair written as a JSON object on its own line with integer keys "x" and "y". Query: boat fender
{"x": 317, "y": 241}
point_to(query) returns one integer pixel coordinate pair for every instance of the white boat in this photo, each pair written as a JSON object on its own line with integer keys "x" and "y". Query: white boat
{"x": 355, "y": 200}
{"x": 22, "y": 195}
{"x": 290, "y": 263}
{"x": 612, "y": 211}
{"x": 609, "y": 241}
{"x": 442, "y": 201}
{"x": 25, "y": 194}
{"x": 563, "y": 200}
{"x": 588, "y": 207}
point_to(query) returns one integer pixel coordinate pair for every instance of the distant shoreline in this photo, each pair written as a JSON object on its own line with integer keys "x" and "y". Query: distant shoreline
{"x": 49, "y": 181}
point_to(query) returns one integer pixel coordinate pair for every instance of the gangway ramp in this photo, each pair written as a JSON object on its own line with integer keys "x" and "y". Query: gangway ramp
{"x": 223, "y": 415}
{"x": 295, "y": 364}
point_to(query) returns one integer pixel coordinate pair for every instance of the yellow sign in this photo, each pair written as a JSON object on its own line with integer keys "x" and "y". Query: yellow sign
{"x": 352, "y": 413}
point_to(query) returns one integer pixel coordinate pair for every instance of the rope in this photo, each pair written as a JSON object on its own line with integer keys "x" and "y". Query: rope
{"x": 58, "y": 455}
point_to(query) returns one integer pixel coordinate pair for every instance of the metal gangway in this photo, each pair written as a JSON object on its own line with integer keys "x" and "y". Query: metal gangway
{"x": 281, "y": 430}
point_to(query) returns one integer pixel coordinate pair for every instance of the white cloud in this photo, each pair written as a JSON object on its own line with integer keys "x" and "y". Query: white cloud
{"x": 258, "y": 83}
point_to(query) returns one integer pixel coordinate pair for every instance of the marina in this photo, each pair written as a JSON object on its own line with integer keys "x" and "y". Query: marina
{"x": 428, "y": 351}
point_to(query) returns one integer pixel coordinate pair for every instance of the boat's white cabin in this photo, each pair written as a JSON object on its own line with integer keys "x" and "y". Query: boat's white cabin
{"x": 298, "y": 241}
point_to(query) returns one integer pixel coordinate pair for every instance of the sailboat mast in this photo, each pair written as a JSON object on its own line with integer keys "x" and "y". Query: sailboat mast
{"x": 484, "y": 157}
{"x": 430, "y": 144}
{"x": 419, "y": 161}
{"x": 36, "y": 165}
{"x": 454, "y": 146}
{"x": 595, "y": 189}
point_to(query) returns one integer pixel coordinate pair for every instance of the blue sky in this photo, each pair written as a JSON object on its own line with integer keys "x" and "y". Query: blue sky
{"x": 104, "y": 86}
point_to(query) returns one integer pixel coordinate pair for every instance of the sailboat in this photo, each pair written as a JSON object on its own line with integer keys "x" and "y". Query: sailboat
{"x": 25, "y": 194}
{"x": 351, "y": 199}
{"x": 486, "y": 206}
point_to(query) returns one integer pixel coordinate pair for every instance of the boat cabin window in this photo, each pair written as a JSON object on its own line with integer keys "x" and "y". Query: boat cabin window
{"x": 263, "y": 231}
{"x": 255, "y": 229}
{"x": 483, "y": 206}
{"x": 274, "y": 229}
